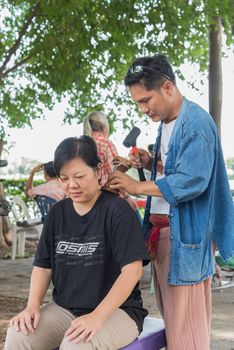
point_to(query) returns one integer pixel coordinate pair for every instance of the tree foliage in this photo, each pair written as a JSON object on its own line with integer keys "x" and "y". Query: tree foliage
{"x": 80, "y": 49}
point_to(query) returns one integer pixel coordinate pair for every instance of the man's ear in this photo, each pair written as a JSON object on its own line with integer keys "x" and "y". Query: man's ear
{"x": 168, "y": 87}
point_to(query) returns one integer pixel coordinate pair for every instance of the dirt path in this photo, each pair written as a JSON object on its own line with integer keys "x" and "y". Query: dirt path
{"x": 14, "y": 286}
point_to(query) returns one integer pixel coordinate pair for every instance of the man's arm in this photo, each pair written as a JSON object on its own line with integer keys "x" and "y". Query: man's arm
{"x": 121, "y": 181}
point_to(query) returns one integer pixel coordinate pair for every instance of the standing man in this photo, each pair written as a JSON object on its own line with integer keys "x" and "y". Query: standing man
{"x": 189, "y": 207}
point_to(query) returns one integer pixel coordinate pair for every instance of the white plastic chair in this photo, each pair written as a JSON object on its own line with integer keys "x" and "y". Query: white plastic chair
{"x": 24, "y": 226}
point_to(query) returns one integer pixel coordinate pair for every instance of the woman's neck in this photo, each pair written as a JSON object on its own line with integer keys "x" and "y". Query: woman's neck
{"x": 85, "y": 207}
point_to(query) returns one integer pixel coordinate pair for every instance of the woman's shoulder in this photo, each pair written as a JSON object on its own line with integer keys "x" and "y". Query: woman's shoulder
{"x": 60, "y": 204}
{"x": 114, "y": 202}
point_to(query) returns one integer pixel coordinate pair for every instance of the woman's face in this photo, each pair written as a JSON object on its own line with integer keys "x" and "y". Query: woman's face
{"x": 79, "y": 181}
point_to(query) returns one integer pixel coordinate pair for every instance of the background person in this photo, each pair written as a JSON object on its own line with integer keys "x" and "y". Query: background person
{"x": 188, "y": 208}
{"x": 92, "y": 249}
{"x": 51, "y": 188}
{"x": 96, "y": 125}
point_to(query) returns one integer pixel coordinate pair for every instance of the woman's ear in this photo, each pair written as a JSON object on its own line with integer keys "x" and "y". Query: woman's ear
{"x": 98, "y": 170}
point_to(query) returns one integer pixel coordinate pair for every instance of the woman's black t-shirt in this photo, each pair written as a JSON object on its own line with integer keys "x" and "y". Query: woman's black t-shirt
{"x": 86, "y": 253}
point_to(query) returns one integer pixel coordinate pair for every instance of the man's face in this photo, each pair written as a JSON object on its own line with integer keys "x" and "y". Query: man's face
{"x": 156, "y": 104}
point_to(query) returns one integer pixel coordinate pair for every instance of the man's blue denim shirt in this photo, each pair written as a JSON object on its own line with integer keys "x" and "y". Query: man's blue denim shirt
{"x": 197, "y": 189}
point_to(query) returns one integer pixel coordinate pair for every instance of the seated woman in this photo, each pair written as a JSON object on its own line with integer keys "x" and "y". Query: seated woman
{"x": 92, "y": 249}
{"x": 51, "y": 188}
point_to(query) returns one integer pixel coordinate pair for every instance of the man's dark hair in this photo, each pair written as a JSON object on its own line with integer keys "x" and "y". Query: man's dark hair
{"x": 83, "y": 147}
{"x": 49, "y": 169}
{"x": 152, "y": 71}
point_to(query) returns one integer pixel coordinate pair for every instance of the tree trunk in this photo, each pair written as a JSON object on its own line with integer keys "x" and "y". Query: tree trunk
{"x": 215, "y": 72}
{"x": 5, "y": 226}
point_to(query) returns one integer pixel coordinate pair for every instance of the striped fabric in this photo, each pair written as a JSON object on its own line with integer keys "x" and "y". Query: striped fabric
{"x": 106, "y": 152}
{"x": 186, "y": 310}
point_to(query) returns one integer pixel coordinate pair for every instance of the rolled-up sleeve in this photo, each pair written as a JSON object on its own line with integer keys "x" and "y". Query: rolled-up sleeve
{"x": 192, "y": 171}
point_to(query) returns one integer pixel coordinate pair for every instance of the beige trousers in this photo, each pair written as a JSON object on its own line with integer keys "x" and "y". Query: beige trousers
{"x": 118, "y": 331}
{"x": 186, "y": 310}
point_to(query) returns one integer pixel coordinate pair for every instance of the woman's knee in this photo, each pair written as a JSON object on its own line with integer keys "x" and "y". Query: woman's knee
{"x": 118, "y": 331}
{"x": 17, "y": 340}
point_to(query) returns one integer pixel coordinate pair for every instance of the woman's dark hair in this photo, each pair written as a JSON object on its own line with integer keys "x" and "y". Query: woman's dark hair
{"x": 82, "y": 147}
{"x": 49, "y": 169}
{"x": 152, "y": 71}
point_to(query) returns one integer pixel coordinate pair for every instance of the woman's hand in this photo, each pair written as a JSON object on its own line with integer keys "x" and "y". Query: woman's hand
{"x": 84, "y": 328}
{"x": 27, "y": 320}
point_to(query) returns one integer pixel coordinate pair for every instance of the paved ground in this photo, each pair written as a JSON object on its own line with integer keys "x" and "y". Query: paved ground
{"x": 14, "y": 286}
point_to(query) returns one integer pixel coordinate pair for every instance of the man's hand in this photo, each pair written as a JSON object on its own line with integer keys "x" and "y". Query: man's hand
{"x": 118, "y": 180}
{"x": 27, "y": 320}
{"x": 84, "y": 328}
{"x": 143, "y": 160}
